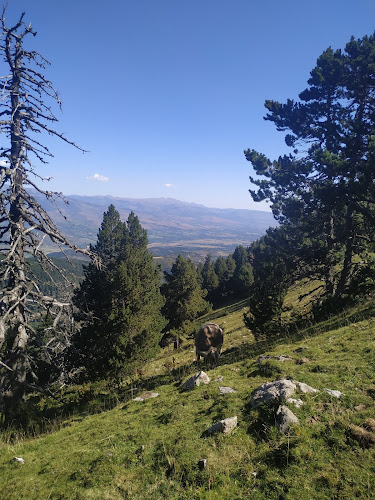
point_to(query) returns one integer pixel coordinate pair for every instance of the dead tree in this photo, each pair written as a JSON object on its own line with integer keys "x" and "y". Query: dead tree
{"x": 25, "y": 114}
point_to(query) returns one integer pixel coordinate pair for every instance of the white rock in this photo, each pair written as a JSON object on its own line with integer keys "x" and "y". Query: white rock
{"x": 331, "y": 392}
{"x": 196, "y": 380}
{"x": 304, "y": 388}
{"x": 20, "y": 460}
{"x": 285, "y": 418}
{"x": 296, "y": 402}
{"x": 225, "y": 426}
{"x": 267, "y": 357}
{"x": 226, "y": 390}
{"x": 270, "y": 391}
{"x": 146, "y": 395}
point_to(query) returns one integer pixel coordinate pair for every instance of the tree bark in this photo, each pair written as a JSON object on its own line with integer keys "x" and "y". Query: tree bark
{"x": 348, "y": 259}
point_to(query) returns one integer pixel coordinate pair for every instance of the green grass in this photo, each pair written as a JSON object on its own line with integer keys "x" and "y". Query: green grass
{"x": 151, "y": 449}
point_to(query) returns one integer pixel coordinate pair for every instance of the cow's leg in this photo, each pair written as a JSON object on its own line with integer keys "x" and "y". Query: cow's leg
{"x": 198, "y": 359}
{"x": 218, "y": 352}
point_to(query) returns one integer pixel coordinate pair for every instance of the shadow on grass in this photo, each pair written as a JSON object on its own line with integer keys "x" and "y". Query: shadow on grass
{"x": 337, "y": 320}
{"x": 42, "y": 415}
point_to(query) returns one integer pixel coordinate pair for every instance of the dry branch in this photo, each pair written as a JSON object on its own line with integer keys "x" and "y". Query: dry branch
{"x": 24, "y": 223}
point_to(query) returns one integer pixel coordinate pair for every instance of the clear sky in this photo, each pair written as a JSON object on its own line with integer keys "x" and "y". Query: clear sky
{"x": 166, "y": 94}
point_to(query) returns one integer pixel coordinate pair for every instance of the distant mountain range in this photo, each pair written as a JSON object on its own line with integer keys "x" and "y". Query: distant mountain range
{"x": 172, "y": 226}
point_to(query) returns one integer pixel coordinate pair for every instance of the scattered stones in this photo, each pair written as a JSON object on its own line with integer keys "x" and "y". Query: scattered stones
{"x": 202, "y": 464}
{"x": 219, "y": 379}
{"x": 270, "y": 391}
{"x": 281, "y": 358}
{"x": 20, "y": 460}
{"x": 285, "y": 419}
{"x": 303, "y": 361}
{"x": 146, "y": 395}
{"x": 226, "y": 390}
{"x": 365, "y": 438}
{"x": 196, "y": 380}
{"x": 225, "y": 426}
{"x": 335, "y": 394}
{"x": 304, "y": 388}
{"x": 296, "y": 402}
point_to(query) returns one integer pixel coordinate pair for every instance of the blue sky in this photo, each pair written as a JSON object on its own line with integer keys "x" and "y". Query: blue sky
{"x": 166, "y": 94}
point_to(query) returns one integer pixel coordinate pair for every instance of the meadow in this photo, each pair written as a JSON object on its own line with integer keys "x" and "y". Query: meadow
{"x": 99, "y": 443}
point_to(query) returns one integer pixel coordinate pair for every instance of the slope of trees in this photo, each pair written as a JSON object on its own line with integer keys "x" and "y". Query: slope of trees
{"x": 323, "y": 192}
{"x": 118, "y": 304}
{"x": 227, "y": 278}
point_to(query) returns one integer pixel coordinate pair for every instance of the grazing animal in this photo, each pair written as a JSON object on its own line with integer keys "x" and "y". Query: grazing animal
{"x": 208, "y": 342}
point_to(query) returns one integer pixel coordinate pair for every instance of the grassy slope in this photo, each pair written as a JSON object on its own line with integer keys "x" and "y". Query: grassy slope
{"x": 151, "y": 449}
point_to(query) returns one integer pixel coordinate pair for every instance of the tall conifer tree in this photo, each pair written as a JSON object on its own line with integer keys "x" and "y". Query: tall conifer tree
{"x": 326, "y": 186}
{"x": 119, "y": 304}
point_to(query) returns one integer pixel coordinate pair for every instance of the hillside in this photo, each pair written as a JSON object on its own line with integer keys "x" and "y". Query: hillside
{"x": 173, "y": 226}
{"x": 151, "y": 449}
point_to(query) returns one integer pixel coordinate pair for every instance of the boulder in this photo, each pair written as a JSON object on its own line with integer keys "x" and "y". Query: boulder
{"x": 196, "y": 380}
{"x": 225, "y": 426}
{"x": 272, "y": 391}
{"x": 285, "y": 419}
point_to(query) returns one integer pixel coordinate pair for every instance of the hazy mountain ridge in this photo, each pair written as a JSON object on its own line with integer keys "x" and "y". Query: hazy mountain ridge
{"x": 173, "y": 226}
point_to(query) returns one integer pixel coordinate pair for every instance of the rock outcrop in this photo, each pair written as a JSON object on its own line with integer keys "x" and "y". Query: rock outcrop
{"x": 273, "y": 391}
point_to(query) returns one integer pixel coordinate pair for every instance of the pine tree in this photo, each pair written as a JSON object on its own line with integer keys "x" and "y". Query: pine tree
{"x": 274, "y": 270}
{"x": 118, "y": 305}
{"x": 326, "y": 184}
{"x": 210, "y": 281}
{"x": 185, "y": 299}
{"x": 243, "y": 275}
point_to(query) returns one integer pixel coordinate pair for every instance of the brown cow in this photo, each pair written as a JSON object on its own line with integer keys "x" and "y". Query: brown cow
{"x": 208, "y": 342}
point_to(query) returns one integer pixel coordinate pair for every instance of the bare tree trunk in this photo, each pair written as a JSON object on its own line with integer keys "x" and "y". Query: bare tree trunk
{"x": 349, "y": 247}
{"x": 23, "y": 222}
{"x": 14, "y": 377}
{"x": 330, "y": 268}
